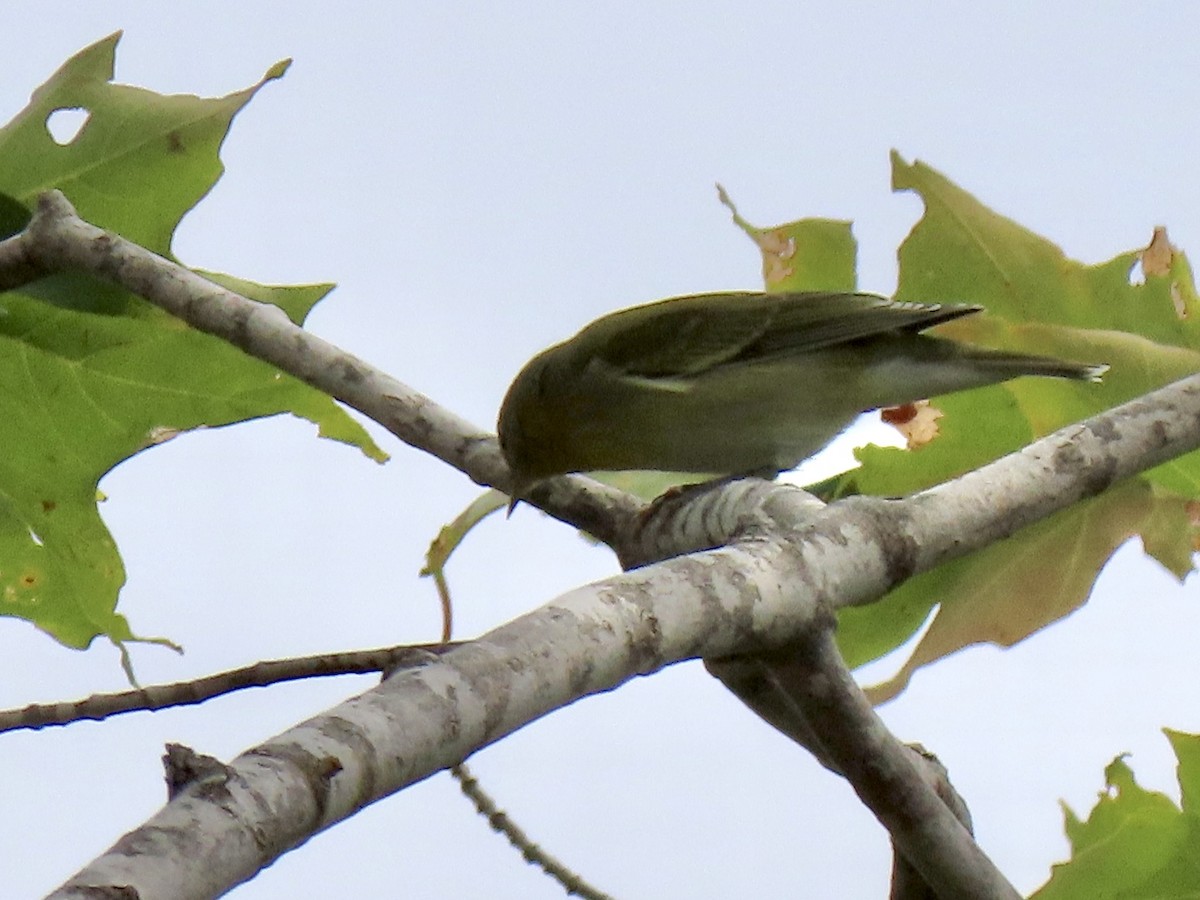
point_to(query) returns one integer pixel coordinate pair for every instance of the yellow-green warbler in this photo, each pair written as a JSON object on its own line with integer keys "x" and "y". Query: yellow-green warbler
{"x": 736, "y": 383}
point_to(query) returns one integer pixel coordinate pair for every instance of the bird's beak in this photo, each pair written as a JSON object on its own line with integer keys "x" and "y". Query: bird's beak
{"x": 518, "y": 487}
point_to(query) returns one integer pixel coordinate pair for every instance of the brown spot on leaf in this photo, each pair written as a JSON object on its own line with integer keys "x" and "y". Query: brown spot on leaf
{"x": 775, "y": 244}
{"x": 1192, "y": 508}
{"x": 1156, "y": 259}
{"x": 160, "y": 434}
{"x": 916, "y": 421}
{"x": 776, "y": 247}
{"x": 1177, "y": 301}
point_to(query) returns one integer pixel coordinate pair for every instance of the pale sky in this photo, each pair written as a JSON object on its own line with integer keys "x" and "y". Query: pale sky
{"x": 481, "y": 180}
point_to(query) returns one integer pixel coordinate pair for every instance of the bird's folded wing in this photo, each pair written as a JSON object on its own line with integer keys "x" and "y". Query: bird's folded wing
{"x": 684, "y": 337}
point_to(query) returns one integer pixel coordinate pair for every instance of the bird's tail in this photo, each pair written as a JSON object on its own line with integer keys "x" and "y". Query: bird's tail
{"x": 1010, "y": 365}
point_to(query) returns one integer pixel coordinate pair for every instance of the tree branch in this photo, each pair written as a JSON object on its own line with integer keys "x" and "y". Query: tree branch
{"x": 57, "y": 239}
{"x": 187, "y": 693}
{"x": 890, "y": 778}
{"x": 500, "y": 822}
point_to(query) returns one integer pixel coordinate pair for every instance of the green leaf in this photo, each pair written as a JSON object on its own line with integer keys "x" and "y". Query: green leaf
{"x": 1135, "y": 843}
{"x": 1037, "y": 301}
{"x": 139, "y": 163}
{"x": 13, "y": 216}
{"x": 442, "y": 547}
{"x": 805, "y": 255}
{"x": 91, "y": 375}
{"x": 984, "y": 597}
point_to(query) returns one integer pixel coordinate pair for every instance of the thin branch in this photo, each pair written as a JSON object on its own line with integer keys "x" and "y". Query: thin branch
{"x": 885, "y": 773}
{"x": 58, "y": 239}
{"x": 775, "y": 685}
{"x": 571, "y": 882}
{"x": 187, "y": 693}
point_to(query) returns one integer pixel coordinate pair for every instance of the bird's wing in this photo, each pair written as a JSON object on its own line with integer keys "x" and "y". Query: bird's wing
{"x": 683, "y": 337}
{"x": 677, "y": 338}
{"x": 804, "y": 322}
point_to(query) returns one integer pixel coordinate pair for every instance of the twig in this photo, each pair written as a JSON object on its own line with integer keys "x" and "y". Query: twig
{"x": 187, "y": 693}
{"x": 571, "y": 882}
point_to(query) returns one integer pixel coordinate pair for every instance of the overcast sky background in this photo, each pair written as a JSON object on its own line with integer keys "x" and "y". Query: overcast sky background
{"x": 481, "y": 180}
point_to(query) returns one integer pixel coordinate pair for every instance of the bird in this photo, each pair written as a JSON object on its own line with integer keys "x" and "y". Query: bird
{"x": 736, "y": 383}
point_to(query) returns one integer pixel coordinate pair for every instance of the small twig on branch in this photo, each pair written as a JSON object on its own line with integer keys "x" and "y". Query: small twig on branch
{"x": 187, "y": 693}
{"x": 571, "y": 882}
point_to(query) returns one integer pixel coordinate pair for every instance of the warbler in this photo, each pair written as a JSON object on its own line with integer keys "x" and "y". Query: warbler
{"x": 736, "y": 383}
